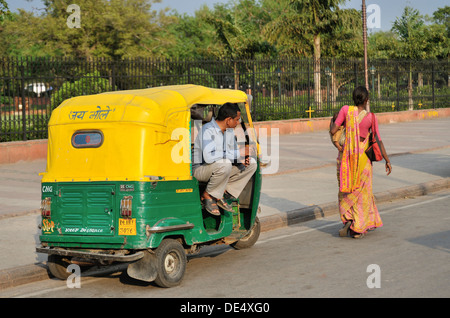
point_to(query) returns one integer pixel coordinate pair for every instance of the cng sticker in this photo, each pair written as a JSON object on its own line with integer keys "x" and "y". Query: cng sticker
{"x": 127, "y": 187}
{"x": 46, "y": 189}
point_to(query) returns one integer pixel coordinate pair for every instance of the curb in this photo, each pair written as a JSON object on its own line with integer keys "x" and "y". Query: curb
{"x": 36, "y": 272}
{"x": 22, "y": 275}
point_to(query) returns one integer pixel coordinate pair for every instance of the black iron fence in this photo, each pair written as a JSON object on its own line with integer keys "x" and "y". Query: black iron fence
{"x": 30, "y": 88}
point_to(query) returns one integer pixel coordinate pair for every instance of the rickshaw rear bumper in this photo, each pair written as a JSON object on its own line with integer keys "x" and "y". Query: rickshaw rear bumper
{"x": 91, "y": 255}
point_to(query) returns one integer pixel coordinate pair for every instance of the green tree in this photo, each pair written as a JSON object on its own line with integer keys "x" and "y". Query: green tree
{"x": 442, "y": 18}
{"x": 382, "y": 45}
{"x": 344, "y": 40}
{"x": 19, "y": 36}
{"x": 193, "y": 37}
{"x": 237, "y": 29}
{"x": 237, "y": 33}
{"x": 108, "y": 28}
{"x": 306, "y": 22}
{"x": 409, "y": 28}
{"x": 91, "y": 83}
{"x": 418, "y": 41}
{"x": 4, "y": 11}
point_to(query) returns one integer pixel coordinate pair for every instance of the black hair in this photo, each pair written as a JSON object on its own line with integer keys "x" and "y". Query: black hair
{"x": 228, "y": 110}
{"x": 360, "y": 95}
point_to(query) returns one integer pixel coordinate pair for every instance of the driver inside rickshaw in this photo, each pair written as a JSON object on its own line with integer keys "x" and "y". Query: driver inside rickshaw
{"x": 217, "y": 160}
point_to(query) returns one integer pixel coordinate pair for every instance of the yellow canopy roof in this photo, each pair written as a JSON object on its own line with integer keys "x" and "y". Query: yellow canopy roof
{"x": 152, "y": 105}
{"x": 140, "y": 129}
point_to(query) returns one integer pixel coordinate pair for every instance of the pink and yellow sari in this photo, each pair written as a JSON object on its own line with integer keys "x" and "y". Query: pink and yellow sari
{"x": 354, "y": 172}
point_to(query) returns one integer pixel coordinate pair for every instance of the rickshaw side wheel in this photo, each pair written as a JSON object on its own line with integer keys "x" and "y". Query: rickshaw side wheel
{"x": 250, "y": 239}
{"x": 58, "y": 266}
{"x": 171, "y": 263}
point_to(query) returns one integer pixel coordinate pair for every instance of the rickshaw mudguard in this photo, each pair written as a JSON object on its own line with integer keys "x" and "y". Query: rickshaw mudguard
{"x": 144, "y": 269}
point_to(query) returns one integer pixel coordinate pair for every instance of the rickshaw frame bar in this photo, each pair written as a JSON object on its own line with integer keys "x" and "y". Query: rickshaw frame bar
{"x": 92, "y": 255}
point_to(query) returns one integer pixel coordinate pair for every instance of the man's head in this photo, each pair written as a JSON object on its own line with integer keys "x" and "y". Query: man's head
{"x": 229, "y": 114}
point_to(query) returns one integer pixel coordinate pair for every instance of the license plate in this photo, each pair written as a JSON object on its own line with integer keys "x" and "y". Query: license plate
{"x": 127, "y": 226}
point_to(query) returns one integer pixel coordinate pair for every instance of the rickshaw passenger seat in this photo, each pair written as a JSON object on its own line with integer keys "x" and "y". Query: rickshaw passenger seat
{"x": 208, "y": 117}
{"x": 196, "y": 115}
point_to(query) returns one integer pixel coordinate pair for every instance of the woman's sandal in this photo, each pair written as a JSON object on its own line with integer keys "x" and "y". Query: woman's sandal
{"x": 224, "y": 205}
{"x": 344, "y": 231}
{"x": 356, "y": 235}
{"x": 211, "y": 207}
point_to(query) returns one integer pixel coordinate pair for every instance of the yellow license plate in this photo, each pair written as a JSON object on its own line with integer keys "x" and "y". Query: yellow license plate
{"x": 127, "y": 226}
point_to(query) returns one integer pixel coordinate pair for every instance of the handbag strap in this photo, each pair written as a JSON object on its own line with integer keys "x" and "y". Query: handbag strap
{"x": 373, "y": 127}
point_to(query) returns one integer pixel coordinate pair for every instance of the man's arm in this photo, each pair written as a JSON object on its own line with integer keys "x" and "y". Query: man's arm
{"x": 211, "y": 150}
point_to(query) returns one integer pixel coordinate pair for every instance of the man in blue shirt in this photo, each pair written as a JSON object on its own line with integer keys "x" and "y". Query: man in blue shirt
{"x": 215, "y": 150}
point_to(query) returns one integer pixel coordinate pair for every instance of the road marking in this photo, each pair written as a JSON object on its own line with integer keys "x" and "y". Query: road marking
{"x": 415, "y": 204}
{"x": 85, "y": 280}
{"x": 339, "y": 222}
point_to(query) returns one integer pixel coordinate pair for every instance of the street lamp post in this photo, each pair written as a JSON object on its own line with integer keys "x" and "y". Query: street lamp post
{"x": 366, "y": 75}
{"x": 372, "y": 71}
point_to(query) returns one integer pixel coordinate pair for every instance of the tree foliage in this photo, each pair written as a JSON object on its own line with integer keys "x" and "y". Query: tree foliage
{"x": 239, "y": 29}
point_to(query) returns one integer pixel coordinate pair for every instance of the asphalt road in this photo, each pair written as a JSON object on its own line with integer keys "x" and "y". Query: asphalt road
{"x": 407, "y": 257}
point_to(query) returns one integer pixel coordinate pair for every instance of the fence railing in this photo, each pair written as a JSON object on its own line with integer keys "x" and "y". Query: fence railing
{"x": 30, "y": 88}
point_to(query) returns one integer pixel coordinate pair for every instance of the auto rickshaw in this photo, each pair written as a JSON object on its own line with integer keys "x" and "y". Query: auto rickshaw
{"x": 118, "y": 185}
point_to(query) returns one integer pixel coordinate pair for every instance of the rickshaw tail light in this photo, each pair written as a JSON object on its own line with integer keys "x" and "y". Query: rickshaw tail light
{"x": 46, "y": 208}
{"x": 125, "y": 206}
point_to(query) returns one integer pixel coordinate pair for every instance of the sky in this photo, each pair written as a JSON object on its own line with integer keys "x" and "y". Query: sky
{"x": 383, "y": 12}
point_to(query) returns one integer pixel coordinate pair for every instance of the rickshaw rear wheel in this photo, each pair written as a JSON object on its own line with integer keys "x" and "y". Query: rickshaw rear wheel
{"x": 171, "y": 263}
{"x": 250, "y": 239}
{"x": 57, "y": 265}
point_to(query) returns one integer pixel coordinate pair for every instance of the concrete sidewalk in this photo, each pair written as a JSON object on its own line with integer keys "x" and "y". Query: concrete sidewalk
{"x": 304, "y": 187}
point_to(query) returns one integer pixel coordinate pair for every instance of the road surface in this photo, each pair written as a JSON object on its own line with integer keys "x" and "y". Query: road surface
{"x": 407, "y": 257}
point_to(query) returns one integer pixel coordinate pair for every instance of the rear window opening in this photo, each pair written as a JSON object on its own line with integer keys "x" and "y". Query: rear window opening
{"x": 87, "y": 139}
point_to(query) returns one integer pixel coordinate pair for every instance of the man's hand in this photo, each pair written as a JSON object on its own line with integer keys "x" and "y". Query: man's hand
{"x": 246, "y": 161}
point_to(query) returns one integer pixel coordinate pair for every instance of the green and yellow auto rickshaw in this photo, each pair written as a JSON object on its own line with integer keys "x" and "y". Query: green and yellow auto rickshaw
{"x": 119, "y": 187}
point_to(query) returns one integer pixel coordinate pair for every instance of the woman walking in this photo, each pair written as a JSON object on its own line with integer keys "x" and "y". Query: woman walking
{"x": 354, "y": 169}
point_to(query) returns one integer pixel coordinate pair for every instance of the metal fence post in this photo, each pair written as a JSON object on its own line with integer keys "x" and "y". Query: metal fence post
{"x": 397, "y": 71}
{"x": 22, "y": 89}
{"x": 113, "y": 75}
{"x": 432, "y": 84}
{"x": 309, "y": 86}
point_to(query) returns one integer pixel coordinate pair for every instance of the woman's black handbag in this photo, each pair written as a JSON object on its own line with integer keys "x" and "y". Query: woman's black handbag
{"x": 373, "y": 152}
